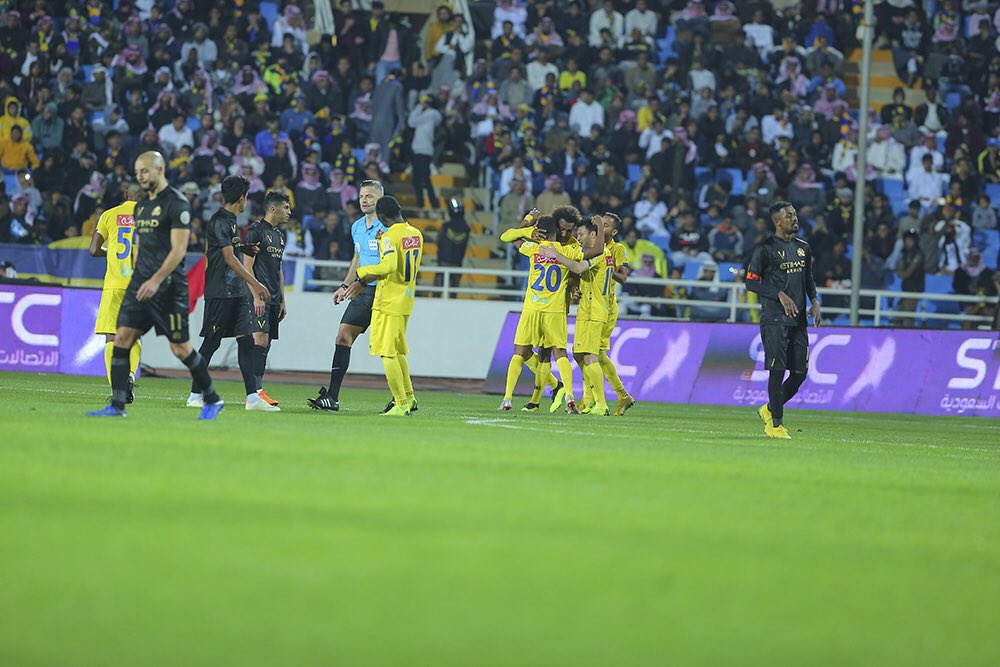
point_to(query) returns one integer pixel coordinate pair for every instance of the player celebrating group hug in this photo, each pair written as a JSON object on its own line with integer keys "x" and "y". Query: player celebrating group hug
{"x": 565, "y": 249}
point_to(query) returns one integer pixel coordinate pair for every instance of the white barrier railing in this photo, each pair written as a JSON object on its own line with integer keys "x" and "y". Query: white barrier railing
{"x": 510, "y": 287}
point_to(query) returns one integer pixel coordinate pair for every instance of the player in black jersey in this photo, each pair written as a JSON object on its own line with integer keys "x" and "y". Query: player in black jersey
{"x": 157, "y": 296}
{"x": 780, "y": 273}
{"x": 226, "y": 279}
{"x": 268, "y": 308}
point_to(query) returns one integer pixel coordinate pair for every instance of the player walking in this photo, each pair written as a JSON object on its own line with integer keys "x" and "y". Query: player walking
{"x": 780, "y": 273}
{"x": 365, "y": 232}
{"x": 226, "y": 303}
{"x": 401, "y": 249}
{"x": 157, "y": 296}
{"x": 268, "y": 308}
{"x": 115, "y": 232}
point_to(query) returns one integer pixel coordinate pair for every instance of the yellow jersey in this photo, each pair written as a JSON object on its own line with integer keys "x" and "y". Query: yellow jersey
{"x": 400, "y": 250}
{"x": 595, "y": 285}
{"x": 117, "y": 226}
{"x": 619, "y": 258}
{"x": 547, "y": 278}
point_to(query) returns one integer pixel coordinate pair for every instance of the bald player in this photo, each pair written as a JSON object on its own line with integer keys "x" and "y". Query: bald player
{"x": 157, "y": 296}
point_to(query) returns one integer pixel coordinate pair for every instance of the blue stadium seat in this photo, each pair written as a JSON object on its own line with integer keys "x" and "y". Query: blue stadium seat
{"x": 893, "y": 189}
{"x": 88, "y": 72}
{"x": 703, "y": 176}
{"x": 661, "y": 241}
{"x": 736, "y": 176}
{"x": 193, "y": 123}
{"x": 691, "y": 270}
{"x": 634, "y": 174}
{"x": 989, "y": 243}
{"x": 940, "y": 144}
{"x": 359, "y": 155}
{"x": 931, "y": 306}
{"x": 953, "y": 101}
{"x": 993, "y": 192}
{"x": 937, "y": 284}
{"x": 10, "y": 180}
{"x": 895, "y": 285}
{"x": 269, "y": 12}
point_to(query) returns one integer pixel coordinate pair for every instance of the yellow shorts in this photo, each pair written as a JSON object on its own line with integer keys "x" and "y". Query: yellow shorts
{"x": 587, "y": 337}
{"x": 536, "y": 328}
{"x": 388, "y": 334}
{"x": 107, "y": 312}
{"x": 609, "y": 327}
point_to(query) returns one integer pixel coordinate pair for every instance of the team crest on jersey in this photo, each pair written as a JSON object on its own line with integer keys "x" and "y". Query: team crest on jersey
{"x": 609, "y": 260}
{"x": 155, "y": 212}
{"x": 802, "y": 253}
{"x": 125, "y": 220}
{"x": 411, "y": 242}
{"x": 782, "y": 253}
{"x": 539, "y": 258}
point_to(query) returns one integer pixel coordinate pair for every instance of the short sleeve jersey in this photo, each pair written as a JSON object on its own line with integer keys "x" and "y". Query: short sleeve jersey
{"x": 221, "y": 282}
{"x": 403, "y": 244}
{"x": 547, "y": 278}
{"x": 117, "y": 227}
{"x": 596, "y": 284}
{"x": 784, "y": 266}
{"x": 619, "y": 260}
{"x": 267, "y": 263}
{"x": 154, "y": 220}
{"x": 365, "y": 239}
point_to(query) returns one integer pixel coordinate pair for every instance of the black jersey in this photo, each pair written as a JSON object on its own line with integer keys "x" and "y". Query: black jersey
{"x": 267, "y": 264}
{"x": 221, "y": 282}
{"x": 154, "y": 220}
{"x": 781, "y": 266}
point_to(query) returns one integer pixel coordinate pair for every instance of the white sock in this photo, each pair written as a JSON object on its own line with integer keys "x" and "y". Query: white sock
{"x": 194, "y": 396}
{"x": 253, "y": 398}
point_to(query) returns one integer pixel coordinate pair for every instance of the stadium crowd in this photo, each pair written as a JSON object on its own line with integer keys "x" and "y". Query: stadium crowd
{"x": 685, "y": 117}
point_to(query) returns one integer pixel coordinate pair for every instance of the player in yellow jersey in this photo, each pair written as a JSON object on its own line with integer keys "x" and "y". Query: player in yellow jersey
{"x": 543, "y": 317}
{"x": 114, "y": 238}
{"x": 596, "y": 281}
{"x": 401, "y": 248}
{"x": 612, "y": 223}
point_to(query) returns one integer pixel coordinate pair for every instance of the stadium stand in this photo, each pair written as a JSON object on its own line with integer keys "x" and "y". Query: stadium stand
{"x": 724, "y": 102}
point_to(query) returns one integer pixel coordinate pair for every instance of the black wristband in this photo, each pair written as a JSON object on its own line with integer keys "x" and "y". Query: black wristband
{"x": 343, "y": 285}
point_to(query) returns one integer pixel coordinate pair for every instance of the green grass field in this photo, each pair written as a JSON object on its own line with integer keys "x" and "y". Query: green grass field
{"x": 676, "y": 536}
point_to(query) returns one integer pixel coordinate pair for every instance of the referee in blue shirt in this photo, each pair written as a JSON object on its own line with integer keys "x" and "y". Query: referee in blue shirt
{"x": 365, "y": 233}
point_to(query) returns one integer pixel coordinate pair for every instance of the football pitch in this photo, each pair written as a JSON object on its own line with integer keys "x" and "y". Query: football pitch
{"x": 677, "y": 535}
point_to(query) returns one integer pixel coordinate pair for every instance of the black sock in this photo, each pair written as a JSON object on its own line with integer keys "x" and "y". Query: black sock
{"x": 244, "y": 347}
{"x": 199, "y": 372}
{"x": 259, "y": 365}
{"x": 119, "y": 376}
{"x": 341, "y": 360}
{"x": 209, "y": 346}
{"x": 791, "y": 385}
{"x": 776, "y": 400}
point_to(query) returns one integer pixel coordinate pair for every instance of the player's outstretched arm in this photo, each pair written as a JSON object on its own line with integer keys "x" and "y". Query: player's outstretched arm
{"x": 372, "y": 272}
{"x": 573, "y": 265}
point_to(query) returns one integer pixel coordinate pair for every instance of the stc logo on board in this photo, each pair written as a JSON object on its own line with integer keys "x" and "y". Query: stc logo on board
{"x": 19, "y": 313}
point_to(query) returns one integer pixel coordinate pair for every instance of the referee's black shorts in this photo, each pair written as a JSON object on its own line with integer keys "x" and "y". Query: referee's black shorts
{"x": 226, "y": 318}
{"x": 785, "y": 347}
{"x": 166, "y": 311}
{"x": 359, "y": 309}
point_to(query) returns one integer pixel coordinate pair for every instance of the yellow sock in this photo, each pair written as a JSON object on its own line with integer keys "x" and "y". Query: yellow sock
{"x": 108, "y": 351}
{"x": 566, "y": 375}
{"x": 593, "y": 377}
{"x": 532, "y": 363}
{"x": 394, "y": 378}
{"x": 542, "y": 376}
{"x": 588, "y": 394}
{"x": 404, "y": 366}
{"x": 610, "y": 372}
{"x": 133, "y": 356}
{"x": 513, "y": 373}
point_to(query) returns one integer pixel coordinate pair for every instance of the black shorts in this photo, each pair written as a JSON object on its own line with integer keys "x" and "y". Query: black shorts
{"x": 785, "y": 348}
{"x": 226, "y": 318}
{"x": 167, "y": 311}
{"x": 359, "y": 310}
{"x": 266, "y": 323}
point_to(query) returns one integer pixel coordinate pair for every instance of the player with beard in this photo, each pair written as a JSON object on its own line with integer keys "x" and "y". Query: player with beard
{"x": 780, "y": 273}
{"x": 157, "y": 296}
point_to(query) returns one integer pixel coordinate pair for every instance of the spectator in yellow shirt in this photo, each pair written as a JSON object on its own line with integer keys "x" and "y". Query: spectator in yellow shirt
{"x": 17, "y": 154}
{"x": 571, "y": 76}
